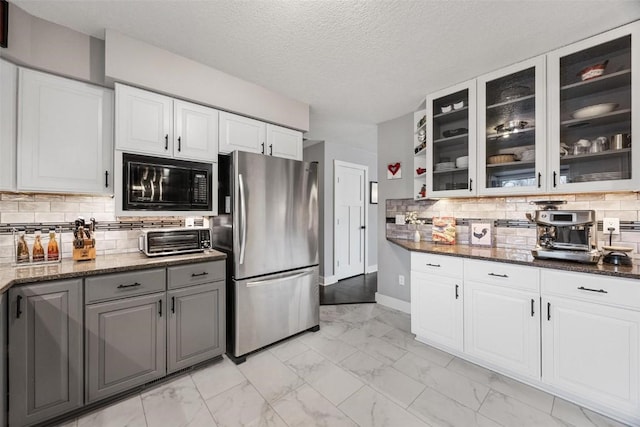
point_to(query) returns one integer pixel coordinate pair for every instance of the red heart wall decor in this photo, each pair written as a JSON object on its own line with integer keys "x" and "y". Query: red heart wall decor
{"x": 394, "y": 168}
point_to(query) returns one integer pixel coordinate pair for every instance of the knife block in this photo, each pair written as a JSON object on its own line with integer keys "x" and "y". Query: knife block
{"x": 85, "y": 253}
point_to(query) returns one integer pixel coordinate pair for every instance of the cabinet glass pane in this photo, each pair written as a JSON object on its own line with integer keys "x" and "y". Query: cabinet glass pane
{"x": 451, "y": 141}
{"x": 511, "y": 131}
{"x": 595, "y": 113}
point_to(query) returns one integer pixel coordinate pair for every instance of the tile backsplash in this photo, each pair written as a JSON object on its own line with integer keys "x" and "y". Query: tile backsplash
{"x": 44, "y": 209}
{"x": 512, "y": 230}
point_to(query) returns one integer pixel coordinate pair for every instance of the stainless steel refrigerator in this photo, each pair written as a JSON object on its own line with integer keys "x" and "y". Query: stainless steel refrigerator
{"x": 268, "y": 226}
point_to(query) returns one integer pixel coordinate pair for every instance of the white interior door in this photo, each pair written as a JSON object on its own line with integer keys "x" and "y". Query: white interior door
{"x": 349, "y": 215}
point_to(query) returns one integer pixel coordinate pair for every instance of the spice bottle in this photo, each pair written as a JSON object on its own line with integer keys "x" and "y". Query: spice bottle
{"x": 22, "y": 251}
{"x": 53, "y": 253}
{"x": 38, "y": 250}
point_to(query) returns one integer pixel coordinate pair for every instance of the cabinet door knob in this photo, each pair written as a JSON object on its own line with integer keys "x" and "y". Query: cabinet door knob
{"x": 106, "y": 179}
{"x": 262, "y": 147}
{"x": 539, "y": 180}
{"x": 271, "y": 149}
{"x": 548, "y": 311}
{"x": 173, "y": 304}
{"x": 470, "y": 185}
{"x": 18, "y": 303}
{"x": 166, "y": 142}
{"x": 555, "y": 174}
{"x": 179, "y": 144}
{"x": 457, "y": 286}
{"x": 533, "y": 307}
{"x": 160, "y": 308}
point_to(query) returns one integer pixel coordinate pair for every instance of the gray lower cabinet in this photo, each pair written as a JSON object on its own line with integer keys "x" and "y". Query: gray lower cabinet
{"x": 125, "y": 344}
{"x": 45, "y": 351}
{"x": 196, "y": 324}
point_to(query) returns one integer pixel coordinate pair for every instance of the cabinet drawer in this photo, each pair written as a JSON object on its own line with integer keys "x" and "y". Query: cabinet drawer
{"x": 502, "y": 274}
{"x": 122, "y": 285}
{"x": 592, "y": 287}
{"x": 194, "y": 274}
{"x": 438, "y": 264}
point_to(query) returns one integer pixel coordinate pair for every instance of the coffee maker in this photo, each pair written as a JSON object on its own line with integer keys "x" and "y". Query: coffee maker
{"x": 567, "y": 235}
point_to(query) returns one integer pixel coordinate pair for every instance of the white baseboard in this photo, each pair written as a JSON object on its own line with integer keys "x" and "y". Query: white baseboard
{"x": 394, "y": 303}
{"x": 328, "y": 280}
{"x": 371, "y": 269}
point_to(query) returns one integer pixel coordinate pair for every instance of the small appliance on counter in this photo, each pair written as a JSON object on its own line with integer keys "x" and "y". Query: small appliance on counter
{"x": 617, "y": 255}
{"x": 174, "y": 241}
{"x": 84, "y": 243}
{"x": 566, "y": 235}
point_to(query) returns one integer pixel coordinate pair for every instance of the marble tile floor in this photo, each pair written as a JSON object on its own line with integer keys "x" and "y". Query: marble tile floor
{"x": 363, "y": 368}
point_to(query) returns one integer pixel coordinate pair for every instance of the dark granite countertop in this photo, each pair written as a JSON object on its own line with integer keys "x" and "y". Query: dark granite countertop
{"x": 516, "y": 256}
{"x": 67, "y": 269}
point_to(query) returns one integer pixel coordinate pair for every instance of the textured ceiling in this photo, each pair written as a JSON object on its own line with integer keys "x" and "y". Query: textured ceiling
{"x": 360, "y": 61}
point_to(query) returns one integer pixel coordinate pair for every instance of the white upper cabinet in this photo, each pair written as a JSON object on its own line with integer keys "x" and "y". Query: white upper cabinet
{"x": 253, "y": 136}
{"x": 592, "y": 113}
{"x": 153, "y": 124}
{"x": 241, "y": 133}
{"x": 451, "y": 141}
{"x": 65, "y": 135}
{"x": 511, "y": 129}
{"x": 8, "y": 102}
{"x": 283, "y": 142}
{"x": 196, "y": 130}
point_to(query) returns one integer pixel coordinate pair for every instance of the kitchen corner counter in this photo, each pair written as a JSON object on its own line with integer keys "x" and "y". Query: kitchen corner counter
{"x": 67, "y": 269}
{"x": 516, "y": 256}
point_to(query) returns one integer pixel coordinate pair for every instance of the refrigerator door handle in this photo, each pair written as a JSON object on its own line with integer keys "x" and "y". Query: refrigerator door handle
{"x": 279, "y": 278}
{"x": 243, "y": 218}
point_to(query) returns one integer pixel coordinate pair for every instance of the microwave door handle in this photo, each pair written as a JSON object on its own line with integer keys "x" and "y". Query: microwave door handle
{"x": 243, "y": 218}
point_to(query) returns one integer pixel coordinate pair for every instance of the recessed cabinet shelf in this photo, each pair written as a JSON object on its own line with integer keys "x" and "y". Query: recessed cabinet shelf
{"x": 599, "y": 84}
{"x": 511, "y": 164}
{"x": 603, "y": 119}
{"x": 452, "y": 138}
{"x": 607, "y": 153}
{"x": 450, "y": 171}
{"x": 511, "y": 101}
{"x": 522, "y": 133}
{"x": 458, "y": 114}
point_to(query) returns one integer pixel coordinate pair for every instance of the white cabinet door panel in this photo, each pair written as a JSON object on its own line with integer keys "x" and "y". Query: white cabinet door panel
{"x": 283, "y": 142}
{"x": 196, "y": 132}
{"x": 8, "y": 103}
{"x": 502, "y": 326}
{"x": 144, "y": 121}
{"x": 592, "y": 351}
{"x": 64, "y": 130}
{"x": 436, "y": 309}
{"x": 241, "y": 133}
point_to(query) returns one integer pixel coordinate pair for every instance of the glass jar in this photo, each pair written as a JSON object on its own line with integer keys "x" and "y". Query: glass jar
{"x": 38, "y": 250}
{"x": 22, "y": 250}
{"x": 53, "y": 253}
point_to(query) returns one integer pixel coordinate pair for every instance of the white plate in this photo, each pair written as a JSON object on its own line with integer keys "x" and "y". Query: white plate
{"x": 594, "y": 110}
{"x": 618, "y": 248}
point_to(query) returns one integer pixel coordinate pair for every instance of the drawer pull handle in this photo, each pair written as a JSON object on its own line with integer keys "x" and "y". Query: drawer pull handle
{"x": 18, "y": 310}
{"x": 498, "y": 275}
{"x": 602, "y": 291}
{"x": 457, "y": 286}
{"x": 432, "y": 265}
{"x": 199, "y": 274}
{"x": 173, "y": 304}
{"x": 548, "y": 311}
{"x": 132, "y": 285}
{"x": 532, "y": 307}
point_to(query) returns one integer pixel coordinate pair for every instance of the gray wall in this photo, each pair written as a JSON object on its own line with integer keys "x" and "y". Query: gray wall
{"x": 338, "y": 151}
{"x": 44, "y": 45}
{"x": 395, "y": 144}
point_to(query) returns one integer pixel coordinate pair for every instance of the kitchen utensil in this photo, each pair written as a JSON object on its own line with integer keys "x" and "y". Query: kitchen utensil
{"x": 454, "y": 132}
{"x": 598, "y": 145}
{"x": 620, "y": 141}
{"x": 593, "y": 71}
{"x": 511, "y": 126}
{"x": 422, "y": 135}
{"x": 501, "y": 158}
{"x": 445, "y": 166}
{"x": 515, "y": 92}
{"x": 458, "y": 105}
{"x": 594, "y": 110}
{"x": 580, "y": 147}
{"x": 462, "y": 162}
{"x": 446, "y": 108}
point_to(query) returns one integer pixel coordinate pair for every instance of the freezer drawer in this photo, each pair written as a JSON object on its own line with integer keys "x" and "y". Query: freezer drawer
{"x": 270, "y": 308}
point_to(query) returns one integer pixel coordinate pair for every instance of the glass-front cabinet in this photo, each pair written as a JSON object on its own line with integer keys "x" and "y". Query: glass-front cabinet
{"x": 511, "y": 129}
{"x": 451, "y": 141}
{"x": 419, "y": 155}
{"x": 594, "y": 112}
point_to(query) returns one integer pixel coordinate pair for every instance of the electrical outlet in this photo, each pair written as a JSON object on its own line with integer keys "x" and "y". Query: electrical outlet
{"x": 401, "y": 280}
{"x": 608, "y": 223}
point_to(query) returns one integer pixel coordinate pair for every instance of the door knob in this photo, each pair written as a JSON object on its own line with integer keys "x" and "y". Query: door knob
{"x": 362, "y": 227}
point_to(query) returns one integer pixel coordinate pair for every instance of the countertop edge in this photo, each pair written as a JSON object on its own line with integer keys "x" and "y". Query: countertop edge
{"x": 107, "y": 264}
{"x": 451, "y": 250}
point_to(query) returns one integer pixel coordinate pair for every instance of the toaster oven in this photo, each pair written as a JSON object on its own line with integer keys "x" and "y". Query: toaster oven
{"x": 173, "y": 241}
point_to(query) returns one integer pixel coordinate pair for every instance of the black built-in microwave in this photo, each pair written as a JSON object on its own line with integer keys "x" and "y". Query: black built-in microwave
{"x": 160, "y": 184}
